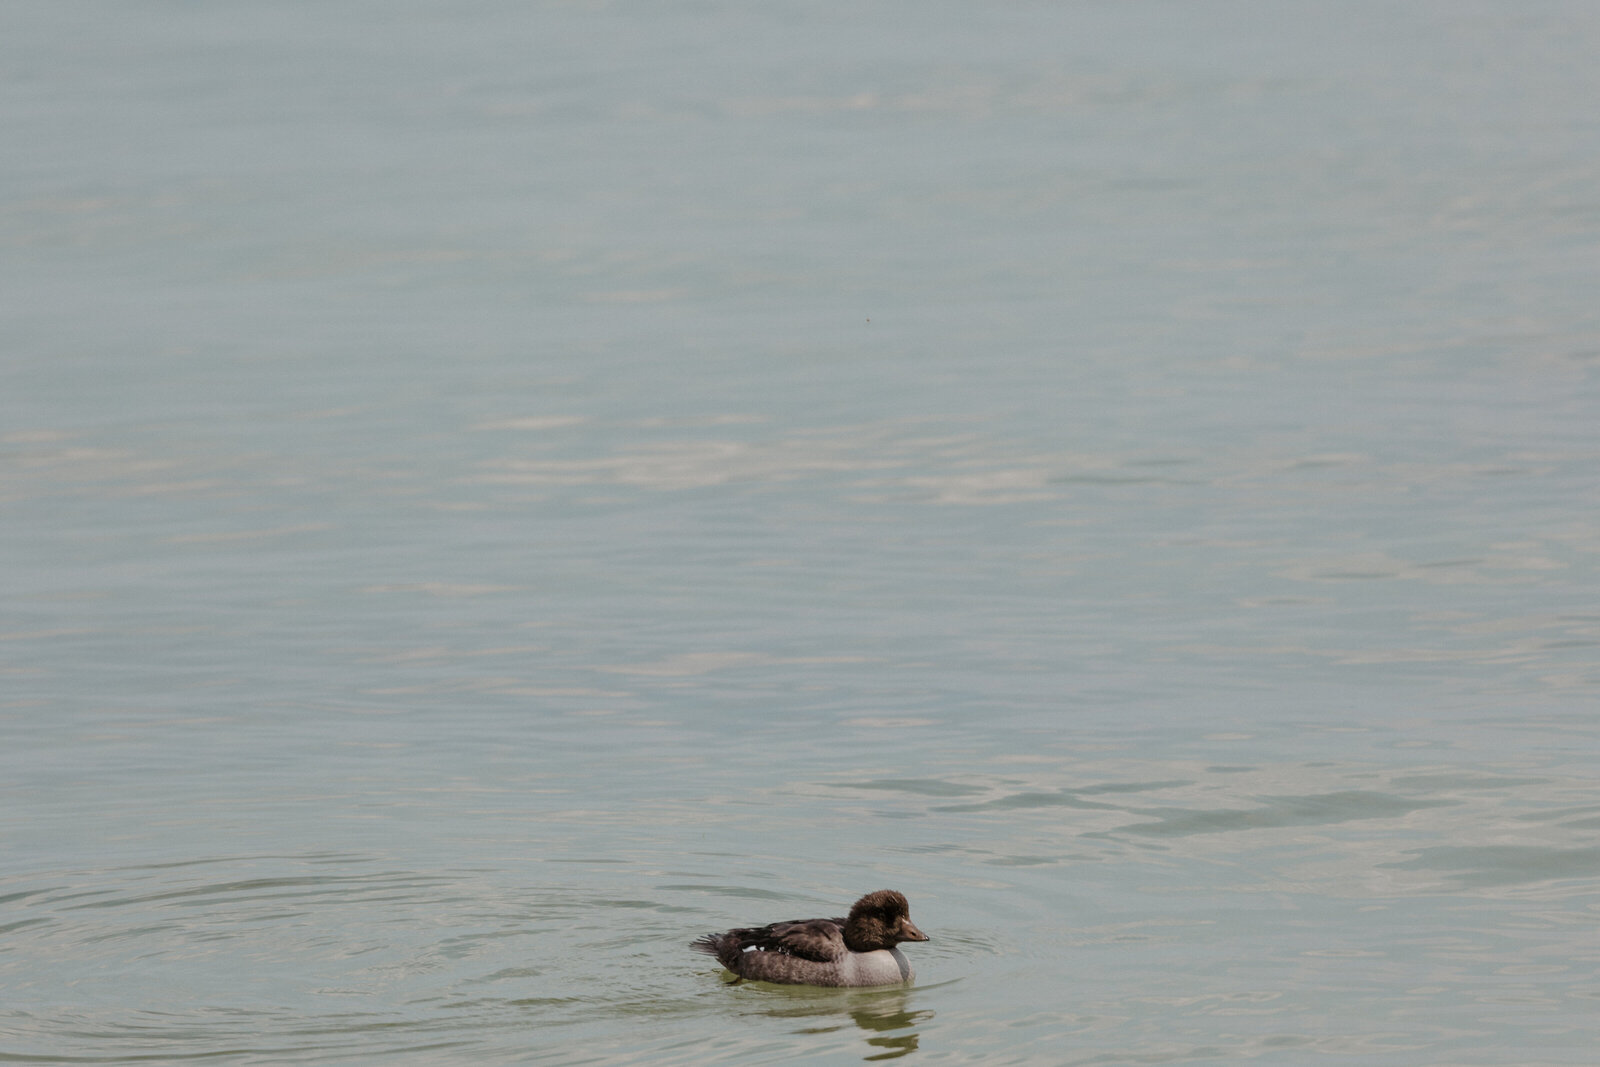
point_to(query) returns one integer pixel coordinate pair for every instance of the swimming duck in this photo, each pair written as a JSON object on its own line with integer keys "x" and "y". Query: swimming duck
{"x": 857, "y": 950}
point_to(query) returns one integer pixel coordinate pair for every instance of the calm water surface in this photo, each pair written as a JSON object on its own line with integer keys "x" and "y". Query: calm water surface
{"x": 491, "y": 492}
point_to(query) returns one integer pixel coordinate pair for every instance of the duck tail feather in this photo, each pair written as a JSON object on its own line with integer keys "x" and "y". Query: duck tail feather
{"x": 722, "y": 946}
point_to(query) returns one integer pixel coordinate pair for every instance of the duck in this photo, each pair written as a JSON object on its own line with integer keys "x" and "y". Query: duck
{"x": 856, "y": 950}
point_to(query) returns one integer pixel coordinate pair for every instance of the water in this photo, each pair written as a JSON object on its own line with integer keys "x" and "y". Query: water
{"x": 492, "y": 492}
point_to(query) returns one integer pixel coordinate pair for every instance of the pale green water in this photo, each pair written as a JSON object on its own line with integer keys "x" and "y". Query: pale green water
{"x": 491, "y": 492}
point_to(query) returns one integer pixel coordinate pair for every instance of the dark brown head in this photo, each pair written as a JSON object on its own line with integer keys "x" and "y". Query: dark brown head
{"x": 880, "y": 920}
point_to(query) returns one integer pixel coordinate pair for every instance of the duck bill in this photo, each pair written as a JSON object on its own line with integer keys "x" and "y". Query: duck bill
{"x": 909, "y": 931}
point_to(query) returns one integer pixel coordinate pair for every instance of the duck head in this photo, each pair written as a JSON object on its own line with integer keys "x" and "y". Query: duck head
{"x": 880, "y": 920}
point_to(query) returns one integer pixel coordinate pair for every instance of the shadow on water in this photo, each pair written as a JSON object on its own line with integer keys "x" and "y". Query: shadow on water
{"x": 886, "y": 1016}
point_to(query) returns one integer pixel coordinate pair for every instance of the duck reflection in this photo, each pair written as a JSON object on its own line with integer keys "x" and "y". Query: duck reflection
{"x": 885, "y": 1020}
{"x": 886, "y": 1016}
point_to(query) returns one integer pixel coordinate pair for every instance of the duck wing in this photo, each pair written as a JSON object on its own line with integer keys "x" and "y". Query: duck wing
{"x": 751, "y": 949}
{"x": 821, "y": 940}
